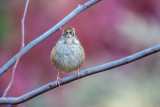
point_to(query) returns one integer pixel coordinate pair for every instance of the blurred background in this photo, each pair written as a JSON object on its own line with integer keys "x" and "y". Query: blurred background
{"x": 109, "y": 30}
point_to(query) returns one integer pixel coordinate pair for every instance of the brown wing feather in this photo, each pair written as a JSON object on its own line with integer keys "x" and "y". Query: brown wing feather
{"x": 53, "y": 54}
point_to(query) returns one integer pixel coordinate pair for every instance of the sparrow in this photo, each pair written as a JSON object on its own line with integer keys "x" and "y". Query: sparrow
{"x": 67, "y": 54}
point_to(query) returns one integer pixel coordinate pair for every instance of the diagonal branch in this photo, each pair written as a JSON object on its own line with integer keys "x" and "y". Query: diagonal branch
{"x": 84, "y": 73}
{"x": 58, "y": 26}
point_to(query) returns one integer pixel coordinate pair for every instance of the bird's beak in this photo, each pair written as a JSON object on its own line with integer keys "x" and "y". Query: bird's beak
{"x": 68, "y": 35}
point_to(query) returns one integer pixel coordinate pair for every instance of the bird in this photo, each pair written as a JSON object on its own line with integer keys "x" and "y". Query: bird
{"x": 67, "y": 54}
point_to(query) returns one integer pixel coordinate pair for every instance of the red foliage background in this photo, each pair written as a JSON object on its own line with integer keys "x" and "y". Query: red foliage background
{"x": 109, "y": 30}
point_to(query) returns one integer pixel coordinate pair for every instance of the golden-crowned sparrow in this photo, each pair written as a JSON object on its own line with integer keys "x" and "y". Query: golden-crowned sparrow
{"x": 67, "y": 54}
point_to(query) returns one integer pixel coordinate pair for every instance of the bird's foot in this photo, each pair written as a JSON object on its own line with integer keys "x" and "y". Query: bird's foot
{"x": 77, "y": 72}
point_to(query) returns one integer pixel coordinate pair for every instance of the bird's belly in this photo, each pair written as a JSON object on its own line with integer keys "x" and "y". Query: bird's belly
{"x": 68, "y": 58}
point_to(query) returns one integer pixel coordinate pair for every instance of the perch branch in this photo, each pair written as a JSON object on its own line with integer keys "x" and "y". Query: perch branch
{"x": 84, "y": 73}
{"x": 58, "y": 26}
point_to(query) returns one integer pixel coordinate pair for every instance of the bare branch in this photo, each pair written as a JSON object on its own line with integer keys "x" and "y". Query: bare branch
{"x": 84, "y": 73}
{"x": 19, "y": 56}
{"x": 58, "y": 26}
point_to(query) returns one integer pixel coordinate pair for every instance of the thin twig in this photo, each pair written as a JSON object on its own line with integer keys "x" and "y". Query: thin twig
{"x": 19, "y": 56}
{"x": 84, "y": 73}
{"x": 58, "y": 26}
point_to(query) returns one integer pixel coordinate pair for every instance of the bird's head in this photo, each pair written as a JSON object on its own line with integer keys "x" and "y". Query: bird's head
{"x": 68, "y": 32}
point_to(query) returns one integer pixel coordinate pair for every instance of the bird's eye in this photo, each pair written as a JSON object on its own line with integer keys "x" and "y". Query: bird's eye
{"x": 72, "y": 34}
{"x": 65, "y": 33}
